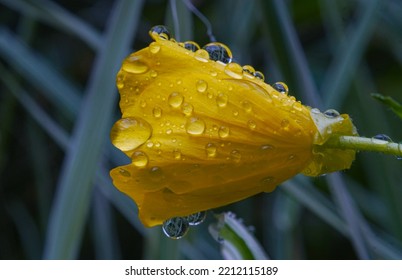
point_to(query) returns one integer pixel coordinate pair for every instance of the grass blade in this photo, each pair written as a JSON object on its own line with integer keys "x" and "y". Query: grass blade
{"x": 56, "y": 17}
{"x": 347, "y": 57}
{"x": 289, "y": 51}
{"x": 106, "y": 241}
{"x": 180, "y": 18}
{"x": 395, "y": 106}
{"x": 350, "y": 213}
{"x": 33, "y": 68}
{"x": 75, "y": 183}
{"x": 306, "y": 194}
{"x": 43, "y": 119}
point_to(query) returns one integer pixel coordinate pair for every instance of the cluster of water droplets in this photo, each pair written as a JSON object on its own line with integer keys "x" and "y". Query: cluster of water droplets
{"x": 193, "y": 126}
{"x": 220, "y": 53}
{"x": 217, "y": 52}
{"x": 177, "y": 227}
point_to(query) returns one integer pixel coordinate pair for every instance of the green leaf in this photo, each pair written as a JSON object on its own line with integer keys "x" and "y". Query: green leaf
{"x": 394, "y": 105}
{"x": 236, "y": 240}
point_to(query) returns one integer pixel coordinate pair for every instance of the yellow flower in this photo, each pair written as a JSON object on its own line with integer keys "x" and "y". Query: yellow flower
{"x": 203, "y": 132}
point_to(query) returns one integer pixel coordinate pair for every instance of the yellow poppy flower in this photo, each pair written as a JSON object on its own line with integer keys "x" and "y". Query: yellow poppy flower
{"x": 203, "y": 132}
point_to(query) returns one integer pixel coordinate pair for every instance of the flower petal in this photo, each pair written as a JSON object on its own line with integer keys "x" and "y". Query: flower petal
{"x": 203, "y": 134}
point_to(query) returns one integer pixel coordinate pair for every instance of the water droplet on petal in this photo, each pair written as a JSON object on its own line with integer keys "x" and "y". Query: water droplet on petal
{"x": 251, "y": 124}
{"x": 156, "y": 174}
{"x": 153, "y": 74}
{"x": 223, "y": 131}
{"x": 285, "y": 124}
{"x": 246, "y": 106}
{"x": 281, "y": 87}
{"x": 157, "y": 112}
{"x": 195, "y": 126}
{"x": 259, "y": 75}
{"x": 234, "y": 70}
{"x": 154, "y": 47}
{"x": 219, "y": 52}
{"x": 201, "y": 55}
{"x": 249, "y": 71}
{"x": 160, "y": 31}
{"x": 175, "y": 99}
{"x": 222, "y": 99}
{"x": 175, "y": 228}
{"x": 124, "y": 172}
{"x": 315, "y": 111}
{"x": 267, "y": 181}
{"x": 177, "y": 154}
{"x": 210, "y": 149}
{"x": 187, "y": 109}
{"x": 120, "y": 80}
{"x": 191, "y": 46}
{"x": 331, "y": 113}
{"x": 267, "y": 147}
{"x": 130, "y": 133}
{"x": 201, "y": 86}
{"x": 235, "y": 155}
{"x": 134, "y": 65}
{"x": 196, "y": 218}
{"x": 297, "y": 106}
{"x": 139, "y": 159}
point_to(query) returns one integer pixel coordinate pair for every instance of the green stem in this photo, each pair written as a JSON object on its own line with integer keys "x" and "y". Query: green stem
{"x": 364, "y": 144}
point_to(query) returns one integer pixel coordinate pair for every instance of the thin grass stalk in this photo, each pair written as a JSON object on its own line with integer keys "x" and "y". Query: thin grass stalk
{"x": 350, "y": 213}
{"x": 292, "y": 57}
{"x": 296, "y": 53}
{"x": 346, "y": 59}
{"x": 104, "y": 230}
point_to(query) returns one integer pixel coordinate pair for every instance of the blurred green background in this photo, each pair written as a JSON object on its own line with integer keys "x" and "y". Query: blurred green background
{"x": 58, "y": 101}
